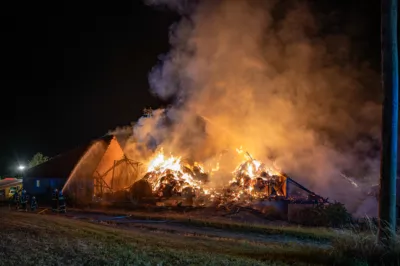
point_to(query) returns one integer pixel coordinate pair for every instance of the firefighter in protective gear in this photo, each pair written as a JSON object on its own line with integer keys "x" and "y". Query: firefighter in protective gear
{"x": 16, "y": 200}
{"x": 23, "y": 200}
{"x": 61, "y": 203}
{"x": 10, "y": 201}
{"x": 54, "y": 200}
{"x": 28, "y": 199}
{"x": 33, "y": 203}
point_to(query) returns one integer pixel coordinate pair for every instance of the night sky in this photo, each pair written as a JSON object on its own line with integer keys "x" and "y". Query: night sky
{"x": 73, "y": 70}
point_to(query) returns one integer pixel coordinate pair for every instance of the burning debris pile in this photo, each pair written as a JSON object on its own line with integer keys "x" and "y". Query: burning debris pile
{"x": 170, "y": 177}
{"x": 254, "y": 180}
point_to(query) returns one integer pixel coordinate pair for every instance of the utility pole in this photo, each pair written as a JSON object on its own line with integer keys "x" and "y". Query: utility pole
{"x": 387, "y": 193}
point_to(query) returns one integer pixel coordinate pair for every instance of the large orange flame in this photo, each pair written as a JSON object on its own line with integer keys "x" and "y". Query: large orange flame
{"x": 169, "y": 175}
{"x": 169, "y": 171}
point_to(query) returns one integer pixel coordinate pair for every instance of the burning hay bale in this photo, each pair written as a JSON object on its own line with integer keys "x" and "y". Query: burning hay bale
{"x": 254, "y": 180}
{"x": 170, "y": 177}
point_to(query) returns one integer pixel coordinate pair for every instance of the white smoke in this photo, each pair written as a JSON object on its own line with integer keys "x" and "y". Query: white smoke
{"x": 261, "y": 76}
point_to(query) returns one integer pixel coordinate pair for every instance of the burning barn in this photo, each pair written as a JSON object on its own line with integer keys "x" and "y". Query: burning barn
{"x": 101, "y": 172}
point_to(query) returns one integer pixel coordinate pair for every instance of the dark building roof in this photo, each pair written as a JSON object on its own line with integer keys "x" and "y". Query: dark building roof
{"x": 10, "y": 182}
{"x": 62, "y": 165}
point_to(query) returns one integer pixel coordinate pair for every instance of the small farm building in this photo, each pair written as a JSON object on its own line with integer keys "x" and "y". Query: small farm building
{"x": 82, "y": 172}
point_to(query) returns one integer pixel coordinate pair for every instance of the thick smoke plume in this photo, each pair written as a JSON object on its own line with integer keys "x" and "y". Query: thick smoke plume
{"x": 259, "y": 74}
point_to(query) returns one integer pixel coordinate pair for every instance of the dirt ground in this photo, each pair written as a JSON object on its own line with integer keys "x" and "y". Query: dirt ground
{"x": 200, "y": 221}
{"x": 173, "y": 226}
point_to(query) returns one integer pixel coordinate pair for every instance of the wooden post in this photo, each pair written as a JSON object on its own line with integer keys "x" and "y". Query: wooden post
{"x": 112, "y": 178}
{"x": 387, "y": 193}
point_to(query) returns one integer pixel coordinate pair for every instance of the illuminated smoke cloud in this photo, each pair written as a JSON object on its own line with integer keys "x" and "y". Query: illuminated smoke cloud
{"x": 260, "y": 75}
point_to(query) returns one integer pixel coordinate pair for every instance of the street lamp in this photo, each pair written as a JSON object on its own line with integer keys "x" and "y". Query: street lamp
{"x": 21, "y": 167}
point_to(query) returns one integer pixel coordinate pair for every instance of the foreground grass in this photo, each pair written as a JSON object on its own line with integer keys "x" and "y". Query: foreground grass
{"x": 30, "y": 239}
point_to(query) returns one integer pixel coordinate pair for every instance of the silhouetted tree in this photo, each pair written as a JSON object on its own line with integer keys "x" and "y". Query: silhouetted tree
{"x": 37, "y": 159}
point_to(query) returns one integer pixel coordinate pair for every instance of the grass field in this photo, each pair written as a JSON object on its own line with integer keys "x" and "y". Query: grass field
{"x": 31, "y": 239}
